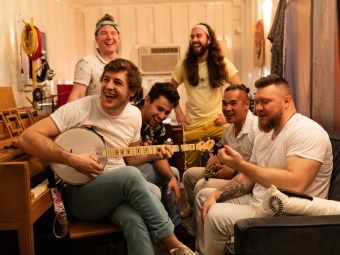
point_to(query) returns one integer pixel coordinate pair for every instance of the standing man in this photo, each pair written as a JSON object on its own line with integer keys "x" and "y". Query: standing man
{"x": 204, "y": 71}
{"x": 116, "y": 191}
{"x": 293, "y": 152}
{"x": 156, "y": 107}
{"x": 90, "y": 68}
{"x": 239, "y": 135}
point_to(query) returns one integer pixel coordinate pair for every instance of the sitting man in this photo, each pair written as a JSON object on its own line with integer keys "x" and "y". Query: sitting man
{"x": 116, "y": 191}
{"x": 156, "y": 107}
{"x": 239, "y": 135}
{"x": 293, "y": 152}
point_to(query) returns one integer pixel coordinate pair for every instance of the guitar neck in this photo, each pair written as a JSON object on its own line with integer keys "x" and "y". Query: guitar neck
{"x": 145, "y": 150}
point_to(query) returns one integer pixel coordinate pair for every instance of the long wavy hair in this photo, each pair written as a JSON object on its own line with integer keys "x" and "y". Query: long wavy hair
{"x": 215, "y": 62}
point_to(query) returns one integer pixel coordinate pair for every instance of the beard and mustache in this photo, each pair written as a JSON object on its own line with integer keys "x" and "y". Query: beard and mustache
{"x": 272, "y": 122}
{"x": 204, "y": 48}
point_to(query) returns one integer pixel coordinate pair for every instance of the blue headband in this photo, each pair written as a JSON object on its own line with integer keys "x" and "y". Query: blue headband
{"x": 106, "y": 22}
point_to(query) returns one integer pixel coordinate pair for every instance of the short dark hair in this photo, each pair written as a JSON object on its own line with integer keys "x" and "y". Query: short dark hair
{"x": 272, "y": 79}
{"x": 240, "y": 87}
{"x": 133, "y": 76}
{"x": 165, "y": 89}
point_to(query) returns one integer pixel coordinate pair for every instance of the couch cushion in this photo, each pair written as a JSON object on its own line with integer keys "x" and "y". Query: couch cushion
{"x": 276, "y": 203}
{"x": 334, "y": 189}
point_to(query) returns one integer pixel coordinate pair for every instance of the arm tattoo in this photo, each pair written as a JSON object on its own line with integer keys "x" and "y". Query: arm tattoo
{"x": 236, "y": 188}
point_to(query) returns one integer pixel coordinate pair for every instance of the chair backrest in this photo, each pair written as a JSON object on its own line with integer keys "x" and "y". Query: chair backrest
{"x": 334, "y": 189}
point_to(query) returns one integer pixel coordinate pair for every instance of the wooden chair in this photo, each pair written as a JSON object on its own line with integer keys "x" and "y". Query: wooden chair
{"x": 85, "y": 235}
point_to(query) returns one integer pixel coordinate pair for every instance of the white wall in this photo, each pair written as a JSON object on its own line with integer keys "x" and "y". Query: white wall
{"x": 70, "y": 32}
{"x": 61, "y": 21}
{"x": 170, "y": 24}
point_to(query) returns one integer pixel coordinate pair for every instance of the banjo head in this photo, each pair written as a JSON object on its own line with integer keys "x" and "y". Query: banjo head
{"x": 78, "y": 140}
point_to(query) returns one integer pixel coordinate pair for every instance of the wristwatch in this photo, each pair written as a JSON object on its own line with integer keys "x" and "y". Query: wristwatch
{"x": 235, "y": 173}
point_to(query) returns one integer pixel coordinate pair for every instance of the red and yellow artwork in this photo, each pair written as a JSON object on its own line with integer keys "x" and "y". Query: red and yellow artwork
{"x": 258, "y": 43}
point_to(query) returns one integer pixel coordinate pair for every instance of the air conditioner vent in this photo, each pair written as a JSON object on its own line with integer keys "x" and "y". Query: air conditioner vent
{"x": 164, "y": 50}
{"x": 157, "y": 60}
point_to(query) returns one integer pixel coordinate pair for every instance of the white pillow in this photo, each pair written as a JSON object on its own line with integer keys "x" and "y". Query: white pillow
{"x": 277, "y": 204}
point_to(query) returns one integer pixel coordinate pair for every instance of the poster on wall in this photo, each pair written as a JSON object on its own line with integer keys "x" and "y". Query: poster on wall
{"x": 258, "y": 43}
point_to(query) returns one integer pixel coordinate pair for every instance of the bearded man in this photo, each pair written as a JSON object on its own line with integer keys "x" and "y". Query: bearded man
{"x": 203, "y": 72}
{"x": 293, "y": 152}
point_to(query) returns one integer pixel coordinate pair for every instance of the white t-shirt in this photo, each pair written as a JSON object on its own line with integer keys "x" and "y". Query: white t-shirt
{"x": 302, "y": 137}
{"x": 203, "y": 101}
{"x": 244, "y": 141}
{"x": 118, "y": 131}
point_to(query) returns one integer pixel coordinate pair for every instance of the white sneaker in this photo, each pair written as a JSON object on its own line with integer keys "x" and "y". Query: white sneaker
{"x": 186, "y": 212}
{"x": 182, "y": 250}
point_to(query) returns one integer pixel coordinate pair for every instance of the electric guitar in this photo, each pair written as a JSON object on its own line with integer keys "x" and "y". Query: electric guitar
{"x": 83, "y": 140}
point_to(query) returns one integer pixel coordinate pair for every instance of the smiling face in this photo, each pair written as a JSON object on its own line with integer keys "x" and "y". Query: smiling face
{"x": 115, "y": 92}
{"x": 108, "y": 40}
{"x": 235, "y": 105}
{"x": 157, "y": 111}
{"x": 199, "y": 41}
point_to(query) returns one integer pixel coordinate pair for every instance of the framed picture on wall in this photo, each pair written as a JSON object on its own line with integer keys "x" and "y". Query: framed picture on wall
{"x": 258, "y": 43}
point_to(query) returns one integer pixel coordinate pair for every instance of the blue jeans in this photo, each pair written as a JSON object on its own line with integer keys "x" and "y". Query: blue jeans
{"x": 151, "y": 175}
{"x": 123, "y": 196}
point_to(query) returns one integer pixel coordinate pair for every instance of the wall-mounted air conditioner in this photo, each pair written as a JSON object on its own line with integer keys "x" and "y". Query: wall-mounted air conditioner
{"x": 157, "y": 59}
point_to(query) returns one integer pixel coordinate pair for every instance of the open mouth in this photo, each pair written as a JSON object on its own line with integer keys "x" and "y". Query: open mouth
{"x": 110, "y": 95}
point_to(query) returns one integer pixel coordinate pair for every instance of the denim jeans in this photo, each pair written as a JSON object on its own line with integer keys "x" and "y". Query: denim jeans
{"x": 151, "y": 175}
{"x": 123, "y": 196}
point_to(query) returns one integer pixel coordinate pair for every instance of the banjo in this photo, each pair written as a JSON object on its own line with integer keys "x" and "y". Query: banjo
{"x": 84, "y": 140}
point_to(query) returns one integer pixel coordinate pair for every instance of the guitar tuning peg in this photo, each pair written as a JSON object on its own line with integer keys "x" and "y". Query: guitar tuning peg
{"x": 208, "y": 138}
{"x": 200, "y": 139}
{"x": 169, "y": 141}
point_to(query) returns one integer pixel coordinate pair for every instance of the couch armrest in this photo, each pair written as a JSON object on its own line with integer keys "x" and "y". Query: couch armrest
{"x": 288, "y": 235}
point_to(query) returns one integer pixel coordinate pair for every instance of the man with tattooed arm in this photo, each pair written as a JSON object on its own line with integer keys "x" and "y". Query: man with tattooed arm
{"x": 293, "y": 152}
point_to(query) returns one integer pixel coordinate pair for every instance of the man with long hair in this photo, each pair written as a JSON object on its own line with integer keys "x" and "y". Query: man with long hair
{"x": 203, "y": 72}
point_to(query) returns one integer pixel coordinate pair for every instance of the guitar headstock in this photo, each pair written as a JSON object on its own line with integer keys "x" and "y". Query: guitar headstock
{"x": 205, "y": 146}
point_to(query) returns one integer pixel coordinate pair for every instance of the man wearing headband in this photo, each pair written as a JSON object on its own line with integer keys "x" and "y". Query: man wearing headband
{"x": 89, "y": 69}
{"x": 203, "y": 72}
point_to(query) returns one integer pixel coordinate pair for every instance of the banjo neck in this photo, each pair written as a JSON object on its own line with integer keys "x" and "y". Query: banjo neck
{"x": 149, "y": 149}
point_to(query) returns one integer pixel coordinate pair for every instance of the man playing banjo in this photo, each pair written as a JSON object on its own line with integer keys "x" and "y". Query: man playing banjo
{"x": 116, "y": 191}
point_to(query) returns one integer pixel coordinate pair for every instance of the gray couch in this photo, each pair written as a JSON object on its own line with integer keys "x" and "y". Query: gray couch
{"x": 305, "y": 235}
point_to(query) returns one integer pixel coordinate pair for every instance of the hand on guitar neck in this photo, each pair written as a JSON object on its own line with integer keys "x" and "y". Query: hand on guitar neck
{"x": 83, "y": 166}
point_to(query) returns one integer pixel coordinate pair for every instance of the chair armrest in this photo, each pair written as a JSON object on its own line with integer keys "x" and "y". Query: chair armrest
{"x": 288, "y": 235}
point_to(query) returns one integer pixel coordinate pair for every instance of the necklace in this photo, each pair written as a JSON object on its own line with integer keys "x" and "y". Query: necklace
{"x": 275, "y": 135}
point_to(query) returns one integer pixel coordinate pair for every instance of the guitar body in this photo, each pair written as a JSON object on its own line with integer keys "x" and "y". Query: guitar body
{"x": 78, "y": 140}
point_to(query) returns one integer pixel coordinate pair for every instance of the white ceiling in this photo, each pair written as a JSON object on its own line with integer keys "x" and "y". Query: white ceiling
{"x": 106, "y": 2}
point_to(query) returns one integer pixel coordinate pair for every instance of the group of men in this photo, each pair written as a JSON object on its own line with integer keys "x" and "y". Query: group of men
{"x": 277, "y": 147}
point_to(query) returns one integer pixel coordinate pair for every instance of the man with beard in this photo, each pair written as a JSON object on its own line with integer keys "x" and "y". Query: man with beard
{"x": 204, "y": 72}
{"x": 156, "y": 107}
{"x": 293, "y": 152}
{"x": 239, "y": 135}
{"x": 90, "y": 68}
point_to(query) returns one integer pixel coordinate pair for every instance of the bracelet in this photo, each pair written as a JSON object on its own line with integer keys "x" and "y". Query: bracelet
{"x": 235, "y": 173}
{"x": 172, "y": 175}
